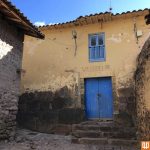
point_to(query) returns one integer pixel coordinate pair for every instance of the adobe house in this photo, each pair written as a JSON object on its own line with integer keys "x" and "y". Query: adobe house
{"x": 13, "y": 26}
{"x": 83, "y": 70}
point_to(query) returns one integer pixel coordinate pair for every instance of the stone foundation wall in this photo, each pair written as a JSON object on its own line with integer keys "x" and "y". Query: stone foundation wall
{"x": 142, "y": 78}
{"x": 11, "y": 45}
{"x": 126, "y": 104}
{"x": 48, "y": 111}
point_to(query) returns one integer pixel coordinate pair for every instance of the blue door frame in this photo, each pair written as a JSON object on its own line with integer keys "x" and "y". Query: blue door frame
{"x": 99, "y": 98}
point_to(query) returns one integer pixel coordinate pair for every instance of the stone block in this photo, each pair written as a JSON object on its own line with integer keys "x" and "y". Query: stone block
{"x": 62, "y": 129}
{"x": 71, "y": 116}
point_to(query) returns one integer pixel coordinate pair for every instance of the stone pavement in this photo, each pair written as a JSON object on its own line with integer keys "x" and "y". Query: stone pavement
{"x": 29, "y": 140}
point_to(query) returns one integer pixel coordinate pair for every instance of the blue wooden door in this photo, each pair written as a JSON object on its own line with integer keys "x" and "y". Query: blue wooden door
{"x": 98, "y": 95}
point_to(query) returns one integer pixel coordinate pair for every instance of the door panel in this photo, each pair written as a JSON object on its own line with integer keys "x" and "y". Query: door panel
{"x": 91, "y": 89}
{"x": 106, "y": 101}
{"x": 98, "y": 95}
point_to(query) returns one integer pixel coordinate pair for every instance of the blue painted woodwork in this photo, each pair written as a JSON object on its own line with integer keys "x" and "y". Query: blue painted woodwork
{"x": 99, "y": 98}
{"x": 97, "y": 47}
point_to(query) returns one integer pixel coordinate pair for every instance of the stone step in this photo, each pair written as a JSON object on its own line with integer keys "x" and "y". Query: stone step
{"x": 98, "y": 122}
{"x": 93, "y": 125}
{"x": 102, "y": 128}
{"x": 100, "y": 134}
{"x": 97, "y": 127}
{"x": 100, "y": 141}
{"x": 61, "y": 129}
{"x": 85, "y": 127}
{"x": 90, "y": 134}
{"x": 105, "y": 141}
{"x": 122, "y": 142}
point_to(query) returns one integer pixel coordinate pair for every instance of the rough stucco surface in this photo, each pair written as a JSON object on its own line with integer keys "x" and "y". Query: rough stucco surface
{"x": 142, "y": 77}
{"x": 11, "y": 45}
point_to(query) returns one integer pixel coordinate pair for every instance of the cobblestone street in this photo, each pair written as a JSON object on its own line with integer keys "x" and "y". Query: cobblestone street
{"x": 29, "y": 140}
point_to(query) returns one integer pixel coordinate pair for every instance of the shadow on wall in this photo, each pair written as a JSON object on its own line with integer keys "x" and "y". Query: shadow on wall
{"x": 43, "y": 111}
{"x": 142, "y": 79}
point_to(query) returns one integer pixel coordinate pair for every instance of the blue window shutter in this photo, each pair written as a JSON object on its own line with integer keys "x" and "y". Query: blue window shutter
{"x": 97, "y": 52}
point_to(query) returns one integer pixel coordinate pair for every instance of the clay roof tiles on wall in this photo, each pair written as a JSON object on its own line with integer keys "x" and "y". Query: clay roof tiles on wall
{"x": 102, "y": 16}
{"x": 15, "y": 16}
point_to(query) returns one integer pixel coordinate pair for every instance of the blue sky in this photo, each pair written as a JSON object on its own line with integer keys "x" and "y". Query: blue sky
{"x": 58, "y": 11}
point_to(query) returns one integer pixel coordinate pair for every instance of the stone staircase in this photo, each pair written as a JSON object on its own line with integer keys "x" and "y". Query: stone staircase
{"x": 103, "y": 133}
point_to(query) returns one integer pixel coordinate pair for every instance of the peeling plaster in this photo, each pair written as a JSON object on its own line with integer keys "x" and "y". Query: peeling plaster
{"x": 120, "y": 37}
{"x": 4, "y": 48}
{"x": 115, "y": 39}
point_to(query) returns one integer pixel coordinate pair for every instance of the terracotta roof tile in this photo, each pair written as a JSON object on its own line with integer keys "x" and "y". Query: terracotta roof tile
{"x": 92, "y": 15}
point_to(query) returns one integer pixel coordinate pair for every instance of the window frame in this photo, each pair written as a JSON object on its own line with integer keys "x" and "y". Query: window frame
{"x": 89, "y": 46}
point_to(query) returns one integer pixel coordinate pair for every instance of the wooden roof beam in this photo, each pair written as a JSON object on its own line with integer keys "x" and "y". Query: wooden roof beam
{"x": 15, "y": 15}
{"x": 13, "y": 19}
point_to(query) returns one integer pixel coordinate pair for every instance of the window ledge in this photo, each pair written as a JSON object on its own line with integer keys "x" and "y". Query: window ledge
{"x": 97, "y": 60}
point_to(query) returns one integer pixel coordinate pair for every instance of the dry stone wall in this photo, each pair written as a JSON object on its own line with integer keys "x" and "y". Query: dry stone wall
{"x": 142, "y": 78}
{"x": 11, "y": 46}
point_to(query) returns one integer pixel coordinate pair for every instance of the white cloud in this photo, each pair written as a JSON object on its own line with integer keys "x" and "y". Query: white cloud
{"x": 40, "y": 23}
{"x": 52, "y": 23}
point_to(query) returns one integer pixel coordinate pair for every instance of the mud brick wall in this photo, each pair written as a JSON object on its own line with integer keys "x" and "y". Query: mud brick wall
{"x": 142, "y": 78}
{"x": 11, "y": 46}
